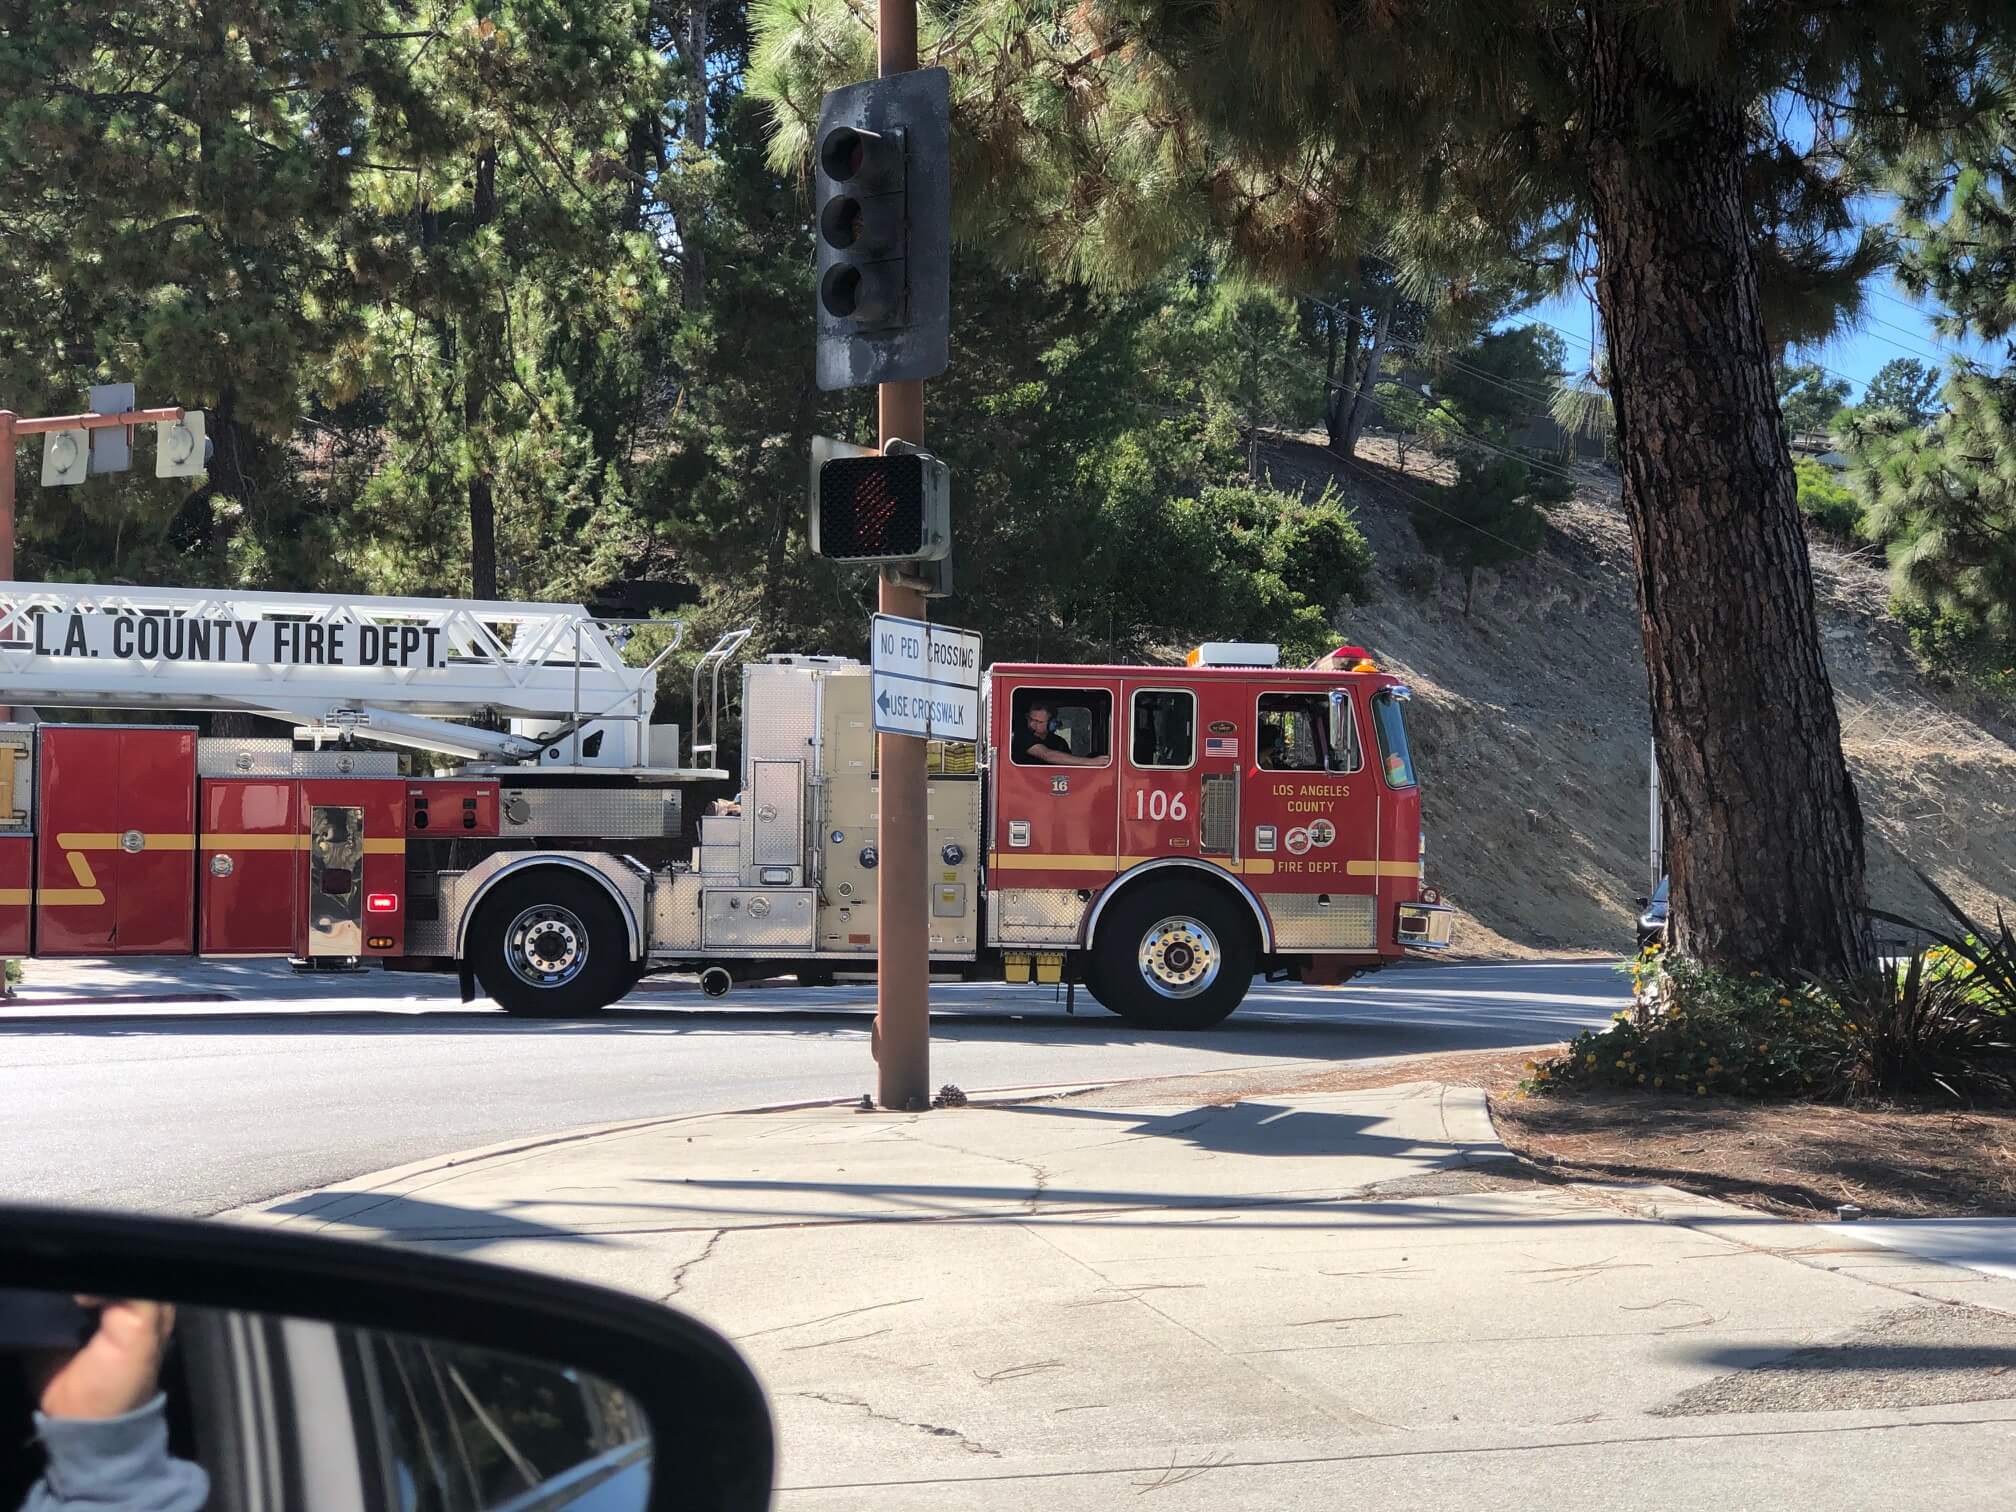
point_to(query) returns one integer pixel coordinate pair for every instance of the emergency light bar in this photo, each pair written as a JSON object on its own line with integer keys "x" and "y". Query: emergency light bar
{"x": 1234, "y": 654}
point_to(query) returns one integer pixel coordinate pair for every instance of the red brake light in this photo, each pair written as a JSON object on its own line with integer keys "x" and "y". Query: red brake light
{"x": 381, "y": 902}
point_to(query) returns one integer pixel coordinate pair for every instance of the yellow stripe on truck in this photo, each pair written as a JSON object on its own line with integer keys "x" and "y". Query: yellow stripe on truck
{"x": 386, "y": 846}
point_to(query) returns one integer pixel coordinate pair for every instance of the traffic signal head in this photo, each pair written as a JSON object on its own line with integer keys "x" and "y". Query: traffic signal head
{"x": 883, "y": 509}
{"x": 882, "y": 183}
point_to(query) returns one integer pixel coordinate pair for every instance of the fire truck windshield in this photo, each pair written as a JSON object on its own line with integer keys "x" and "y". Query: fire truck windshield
{"x": 1394, "y": 757}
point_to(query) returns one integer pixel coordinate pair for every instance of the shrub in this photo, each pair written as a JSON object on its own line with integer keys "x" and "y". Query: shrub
{"x": 1825, "y": 500}
{"x": 1925, "y": 1029}
{"x": 1698, "y": 1030}
{"x": 1944, "y": 1025}
{"x": 1983, "y": 960}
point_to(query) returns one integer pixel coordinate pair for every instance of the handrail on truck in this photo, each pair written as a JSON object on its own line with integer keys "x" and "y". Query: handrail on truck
{"x": 576, "y": 722}
{"x": 717, "y": 656}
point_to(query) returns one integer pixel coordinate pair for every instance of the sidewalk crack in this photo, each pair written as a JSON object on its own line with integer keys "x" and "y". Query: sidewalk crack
{"x": 679, "y": 1275}
{"x": 832, "y": 1399}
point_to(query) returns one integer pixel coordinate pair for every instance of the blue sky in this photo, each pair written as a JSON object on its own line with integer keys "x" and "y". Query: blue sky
{"x": 1892, "y": 326}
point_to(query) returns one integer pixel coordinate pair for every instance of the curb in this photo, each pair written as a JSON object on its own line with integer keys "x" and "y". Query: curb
{"x": 258, "y": 1211}
{"x": 17, "y": 1005}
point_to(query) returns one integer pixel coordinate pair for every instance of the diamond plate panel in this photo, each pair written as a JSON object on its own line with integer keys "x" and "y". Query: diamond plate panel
{"x": 778, "y": 715}
{"x": 601, "y": 813}
{"x": 769, "y": 918}
{"x": 1220, "y": 834}
{"x": 275, "y": 756}
{"x": 773, "y": 814}
{"x": 1034, "y": 916}
{"x": 675, "y": 913}
{"x": 1349, "y": 921}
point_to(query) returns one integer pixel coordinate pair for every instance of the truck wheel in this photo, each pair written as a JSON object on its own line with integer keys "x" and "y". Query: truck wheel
{"x": 1172, "y": 957}
{"x": 551, "y": 945}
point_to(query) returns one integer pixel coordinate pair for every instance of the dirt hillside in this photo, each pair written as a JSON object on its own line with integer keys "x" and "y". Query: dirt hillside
{"x": 1532, "y": 735}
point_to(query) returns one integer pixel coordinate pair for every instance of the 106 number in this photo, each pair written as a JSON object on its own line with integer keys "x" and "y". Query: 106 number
{"x": 1154, "y": 803}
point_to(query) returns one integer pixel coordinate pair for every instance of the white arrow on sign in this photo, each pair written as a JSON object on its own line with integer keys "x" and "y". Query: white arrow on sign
{"x": 904, "y": 706}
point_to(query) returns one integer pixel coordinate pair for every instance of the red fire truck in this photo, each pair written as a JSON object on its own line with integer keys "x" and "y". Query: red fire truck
{"x": 478, "y": 787}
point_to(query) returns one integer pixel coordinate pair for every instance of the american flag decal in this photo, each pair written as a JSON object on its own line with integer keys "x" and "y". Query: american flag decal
{"x": 1226, "y": 746}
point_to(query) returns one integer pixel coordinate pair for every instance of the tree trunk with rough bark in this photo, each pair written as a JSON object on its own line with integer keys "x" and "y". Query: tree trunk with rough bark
{"x": 1360, "y": 404}
{"x": 1766, "y": 854}
{"x": 479, "y": 358}
{"x": 693, "y": 46}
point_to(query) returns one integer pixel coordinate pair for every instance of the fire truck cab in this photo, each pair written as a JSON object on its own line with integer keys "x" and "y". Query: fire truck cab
{"x": 479, "y": 788}
{"x": 1175, "y": 830}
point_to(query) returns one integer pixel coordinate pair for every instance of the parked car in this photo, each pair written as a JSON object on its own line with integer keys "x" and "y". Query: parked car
{"x": 1652, "y": 917}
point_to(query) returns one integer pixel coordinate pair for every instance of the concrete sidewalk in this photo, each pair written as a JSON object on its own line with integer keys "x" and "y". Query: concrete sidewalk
{"x": 1330, "y": 1300}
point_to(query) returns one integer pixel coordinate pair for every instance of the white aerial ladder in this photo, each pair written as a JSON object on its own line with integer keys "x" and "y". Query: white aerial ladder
{"x": 403, "y": 671}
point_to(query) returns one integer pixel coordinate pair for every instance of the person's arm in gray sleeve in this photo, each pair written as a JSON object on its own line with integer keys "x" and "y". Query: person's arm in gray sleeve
{"x": 115, "y": 1462}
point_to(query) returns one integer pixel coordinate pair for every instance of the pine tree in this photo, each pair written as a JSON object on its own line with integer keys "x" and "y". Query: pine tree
{"x": 1810, "y": 399}
{"x": 1906, "y": 387}
{"x": 1494, "y": 513}
{"x": 171, "y": 179}
{"x": 1942, "y": 496}
{"x": 1943, "y": 499}
{"x": 1105, "y": 137}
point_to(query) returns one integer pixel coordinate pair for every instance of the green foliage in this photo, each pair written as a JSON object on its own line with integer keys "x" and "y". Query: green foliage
{"x": 1932, "y": 1028}
{"x": 1942, "y": 1025}
{"x": 1906, "y": 387}
{"x": 1809, "y": 399}
{"x": 1699, "y": 1031}
{"x": 1942, "y": 498}
{"x": 1915, "y": 1032}
{"x": 1495, "y": 512}
{"x": 1826, "y": 500}
{"x": 1958, "y": 651}
{"x": 1503, "y": 379}
{"x": 1982, "y": 959}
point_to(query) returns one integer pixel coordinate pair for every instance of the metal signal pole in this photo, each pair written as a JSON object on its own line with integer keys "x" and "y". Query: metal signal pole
{"x": 903, "y": 974}
{"x": 13, "y": 427}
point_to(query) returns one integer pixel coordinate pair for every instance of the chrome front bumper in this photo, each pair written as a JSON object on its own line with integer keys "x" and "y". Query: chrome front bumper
{"x": 1424, "y": 926}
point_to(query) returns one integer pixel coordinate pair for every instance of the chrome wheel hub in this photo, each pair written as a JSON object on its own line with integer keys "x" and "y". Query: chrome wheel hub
{"x": 1179, "y": 957}
{"x": 547, "y": 945}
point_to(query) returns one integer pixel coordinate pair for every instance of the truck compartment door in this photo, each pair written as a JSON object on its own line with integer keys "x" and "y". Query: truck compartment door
{"x": 246, "y": 866}
{"x": 115, "y": 869}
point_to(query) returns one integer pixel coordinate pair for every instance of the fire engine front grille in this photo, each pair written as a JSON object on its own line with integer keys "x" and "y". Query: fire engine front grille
{"x": 1221, "y": 814}
{"x": 1306, "y": 921}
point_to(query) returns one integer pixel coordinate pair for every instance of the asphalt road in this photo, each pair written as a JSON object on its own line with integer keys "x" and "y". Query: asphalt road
{"x": 198, "y": 1106}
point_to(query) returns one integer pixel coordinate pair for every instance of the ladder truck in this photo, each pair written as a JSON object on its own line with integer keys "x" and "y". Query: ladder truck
{"x": 479, "y": 788}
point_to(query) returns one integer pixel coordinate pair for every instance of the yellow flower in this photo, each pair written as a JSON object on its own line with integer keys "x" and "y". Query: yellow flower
{"x": 1641, "y": 1078}
{"x": 1784, "y": 1002}
{"x": 1658, "y": 1081}
{"x": 1756, "y": 973}
{"x": 1851, "y": 1028}
{"x": 1590, "y": 1061}
{"x": 1700, "y": 1090}
{"x": 1620, "y": 1065}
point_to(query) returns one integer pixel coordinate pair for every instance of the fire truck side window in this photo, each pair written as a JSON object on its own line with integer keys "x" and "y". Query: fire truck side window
{"x": 1294, "y": 734}
{"x": 1165, "y": 728}
{"x": 1077, "y": 721}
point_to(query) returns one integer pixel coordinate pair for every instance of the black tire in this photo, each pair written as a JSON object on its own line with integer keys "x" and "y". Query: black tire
{"x": 815, "y": 976}
{"x": 1173, "y": 955}
{"x": 583, "y": 942}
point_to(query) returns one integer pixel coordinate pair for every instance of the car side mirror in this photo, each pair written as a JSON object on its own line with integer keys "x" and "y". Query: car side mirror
{"x": 385, "y": 1377}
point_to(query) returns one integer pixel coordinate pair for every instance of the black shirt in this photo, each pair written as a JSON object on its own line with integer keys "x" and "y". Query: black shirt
{"x": 1027, "y": 740}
